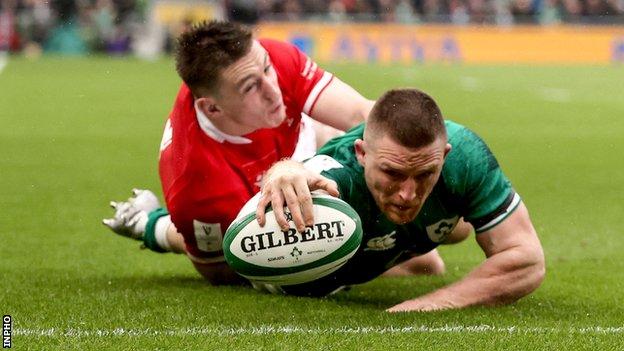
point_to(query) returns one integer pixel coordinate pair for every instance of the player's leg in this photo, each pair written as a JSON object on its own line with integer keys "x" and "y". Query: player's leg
{"x": 175, "y": 240}
{"x": 427, "y": 264}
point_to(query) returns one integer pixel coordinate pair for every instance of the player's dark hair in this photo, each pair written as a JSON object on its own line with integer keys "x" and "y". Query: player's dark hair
{"x": 409, "y": 116}
{"x": 206, "y": 49}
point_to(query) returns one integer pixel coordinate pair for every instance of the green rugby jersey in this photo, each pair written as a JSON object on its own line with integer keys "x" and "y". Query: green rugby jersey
{"x": 471, "y": 186}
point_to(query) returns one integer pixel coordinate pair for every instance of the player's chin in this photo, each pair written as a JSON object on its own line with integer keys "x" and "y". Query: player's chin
{"x": 401, "y": 215}
{"x": 273, "y": 120}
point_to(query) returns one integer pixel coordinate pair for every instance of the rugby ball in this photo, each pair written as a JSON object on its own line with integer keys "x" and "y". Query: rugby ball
{"x": 269, "y": 255}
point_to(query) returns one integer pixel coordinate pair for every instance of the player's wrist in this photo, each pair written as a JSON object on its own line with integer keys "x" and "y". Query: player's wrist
{"x": 155, "y": 237}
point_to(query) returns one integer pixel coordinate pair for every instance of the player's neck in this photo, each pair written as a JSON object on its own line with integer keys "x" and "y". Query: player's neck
{"x": 230, "y": 127}
{"x": 231, "y": 133}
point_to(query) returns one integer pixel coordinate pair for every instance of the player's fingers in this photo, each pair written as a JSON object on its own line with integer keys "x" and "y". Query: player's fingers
{"x": 123, "y": 210}
{"x": 133, "y": 219}
{"x": 113, "y": 204}
{"x": 109, "y": 222}
{"x": 130, "y": 209}
{"x": 293, "y": 202}
{"x": 263, "y": 202}
{"x": 325, "y": 184}
{"x": 332, "y": 188}
{"x": 277, "y": 202}
{"x": 304, "y": 198}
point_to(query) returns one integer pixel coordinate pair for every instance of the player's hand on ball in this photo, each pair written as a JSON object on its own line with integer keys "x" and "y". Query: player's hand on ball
{"x": 131, "y": 216}
{"x": 289, "y": 184}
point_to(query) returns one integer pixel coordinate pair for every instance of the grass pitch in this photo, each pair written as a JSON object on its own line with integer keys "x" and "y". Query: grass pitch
{"x": 76, "y": 133}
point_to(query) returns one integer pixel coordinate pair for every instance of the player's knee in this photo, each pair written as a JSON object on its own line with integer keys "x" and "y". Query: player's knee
{"x": 428, "y": 264}
{"x": 436, "y": 264}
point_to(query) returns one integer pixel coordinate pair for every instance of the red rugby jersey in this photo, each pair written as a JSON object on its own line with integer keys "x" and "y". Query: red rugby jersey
{"x": 207, "y": 180}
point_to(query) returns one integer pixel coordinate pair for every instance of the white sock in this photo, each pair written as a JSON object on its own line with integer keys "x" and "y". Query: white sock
{"x": 160, "y": 232}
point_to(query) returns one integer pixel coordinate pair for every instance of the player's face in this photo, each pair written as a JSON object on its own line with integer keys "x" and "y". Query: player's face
{"x": 401, "y": 178}
{"x": 249, "y": 94}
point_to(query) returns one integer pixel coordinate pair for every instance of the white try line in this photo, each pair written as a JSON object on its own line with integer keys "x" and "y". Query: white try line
{"x": 290, "y": 330}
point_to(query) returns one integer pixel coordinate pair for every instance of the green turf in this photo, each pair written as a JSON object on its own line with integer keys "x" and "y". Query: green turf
{"x": 76, "y": 133}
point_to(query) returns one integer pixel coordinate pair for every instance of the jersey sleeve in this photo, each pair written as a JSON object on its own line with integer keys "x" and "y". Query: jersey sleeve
{"x": 473, "y": 173}
{"x": 300, "y": 78}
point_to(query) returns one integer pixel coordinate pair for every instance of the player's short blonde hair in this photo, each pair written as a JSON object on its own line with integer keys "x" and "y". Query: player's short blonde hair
{"x": 409, "y": 116}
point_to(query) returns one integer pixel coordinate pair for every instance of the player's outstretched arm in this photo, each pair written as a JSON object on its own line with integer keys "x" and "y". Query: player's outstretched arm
{"x": 289, "y": 183}
{"x": 514, "y": 268}
{"x": 341, "y": 106}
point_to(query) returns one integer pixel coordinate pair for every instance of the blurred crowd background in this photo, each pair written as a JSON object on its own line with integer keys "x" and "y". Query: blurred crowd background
{"x": 460, "y": 12}
{"x": 114, "y": 26}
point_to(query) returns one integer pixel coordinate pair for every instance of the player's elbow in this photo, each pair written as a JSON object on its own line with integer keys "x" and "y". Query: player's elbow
{"x": 530, "y": 273}
{"x": 537, "y": 270}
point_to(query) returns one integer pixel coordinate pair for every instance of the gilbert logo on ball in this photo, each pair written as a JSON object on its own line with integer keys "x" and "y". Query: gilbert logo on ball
{"x": 269, "y": 255}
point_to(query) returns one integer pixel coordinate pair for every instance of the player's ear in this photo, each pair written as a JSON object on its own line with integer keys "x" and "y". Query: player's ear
{"x": 360, "y": 151}
{"x": 447, "y": 149}
{"x": 208, "y": 106}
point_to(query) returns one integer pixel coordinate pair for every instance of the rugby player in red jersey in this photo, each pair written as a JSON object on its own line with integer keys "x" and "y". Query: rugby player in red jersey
{"x": 238, "y": 112}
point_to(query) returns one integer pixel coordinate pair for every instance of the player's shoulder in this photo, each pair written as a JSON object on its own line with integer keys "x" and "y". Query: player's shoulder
{"x": 193, "y": 158}
{"x": 337, "y": 159}
{"x": 183, "y": 111}
{"x": 273, "y": 45}
{"x": 184, "y": 95}
{"x": 467, "y": 146}
{"x": 281, "y": 52}
{"x": 278, "y": 48}
{"x": 469, "y": 160}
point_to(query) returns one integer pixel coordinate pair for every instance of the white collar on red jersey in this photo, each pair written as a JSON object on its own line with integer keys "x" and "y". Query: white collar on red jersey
{"x": 212, "y": 131}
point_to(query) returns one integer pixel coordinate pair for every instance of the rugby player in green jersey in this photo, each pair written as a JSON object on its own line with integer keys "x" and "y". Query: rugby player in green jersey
{"x": 417, "y": 182}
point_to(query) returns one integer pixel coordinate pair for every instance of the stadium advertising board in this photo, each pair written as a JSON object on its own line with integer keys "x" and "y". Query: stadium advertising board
{"x": 474, "y": 45}
{"x": 174, "y": 12}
